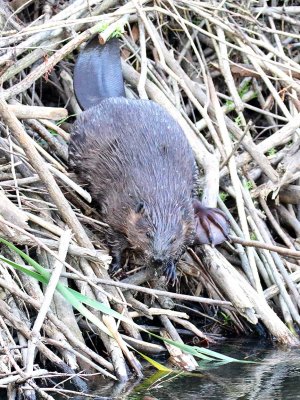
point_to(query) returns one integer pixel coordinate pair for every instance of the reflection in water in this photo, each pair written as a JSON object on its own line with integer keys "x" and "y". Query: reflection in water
{"x": 276, "y": 376}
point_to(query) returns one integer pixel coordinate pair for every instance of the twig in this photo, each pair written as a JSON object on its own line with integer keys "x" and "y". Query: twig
{"x": 25, "y": 112}
{"x": 36, "y": 160}
{"x": 267, "y": 246}
{"x": 157, "y": 292}
{"x": 57, "y": 268}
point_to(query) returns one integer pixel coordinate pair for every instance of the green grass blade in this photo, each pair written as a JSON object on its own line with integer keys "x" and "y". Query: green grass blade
{"x": 44, "y": 276}
{"x": 103, "y": 308}
{"x": 69, "y": 296}
{"x": 154, "y": 363}
{"x": 27, "y": 258}
{"x": 215, "y": 355}
{"x": 200, "y": 352}
{"x": 25, "y": 270}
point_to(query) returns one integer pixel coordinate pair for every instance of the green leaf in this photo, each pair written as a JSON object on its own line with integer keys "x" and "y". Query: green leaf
{"x": 103, "y": 308}
{"x": 61, "y": 121}
{"x": 44, "y": 277}
{"x": 154, "y": 363}
{"x": 27, "y": 258}
{"x": 23, "y": 269}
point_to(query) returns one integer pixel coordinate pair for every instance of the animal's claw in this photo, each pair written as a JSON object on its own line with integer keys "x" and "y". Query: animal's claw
{"x": 115, "y": 263}
{"x": 211, "y": 224}
{"x": 170, "y": 273}
{"x": 113, "y": 268}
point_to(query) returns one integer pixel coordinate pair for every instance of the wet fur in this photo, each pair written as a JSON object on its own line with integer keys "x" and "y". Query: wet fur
{"x": 140, "y": 170}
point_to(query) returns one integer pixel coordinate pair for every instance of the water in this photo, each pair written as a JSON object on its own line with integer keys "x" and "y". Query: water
{"x": 276, "y": 376}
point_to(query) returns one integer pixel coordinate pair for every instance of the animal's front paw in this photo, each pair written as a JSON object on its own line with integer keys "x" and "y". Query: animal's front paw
{"x": 211, "y": 225}
{"x": 115, "y": 265}
{"x": 170, "y": 273}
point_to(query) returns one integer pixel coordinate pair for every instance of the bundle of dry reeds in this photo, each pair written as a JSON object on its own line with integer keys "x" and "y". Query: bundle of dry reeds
{"x": 228, "y": 72}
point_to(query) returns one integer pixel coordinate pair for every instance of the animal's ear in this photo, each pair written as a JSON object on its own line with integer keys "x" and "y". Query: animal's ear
{"x": 137, "y": 216}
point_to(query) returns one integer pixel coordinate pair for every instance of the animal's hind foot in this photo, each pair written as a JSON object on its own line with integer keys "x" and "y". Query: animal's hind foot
{"x": 211, "y": 225}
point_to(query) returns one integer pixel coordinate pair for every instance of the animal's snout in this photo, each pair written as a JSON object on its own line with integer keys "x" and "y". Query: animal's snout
{"x": 157, "y": 262}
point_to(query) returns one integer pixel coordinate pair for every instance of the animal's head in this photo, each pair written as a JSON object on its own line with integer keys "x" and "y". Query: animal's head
{"x": 160, "y": 233}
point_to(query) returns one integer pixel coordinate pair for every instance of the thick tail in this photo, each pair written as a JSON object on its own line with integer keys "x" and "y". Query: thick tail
{"x": 98, "y": 73}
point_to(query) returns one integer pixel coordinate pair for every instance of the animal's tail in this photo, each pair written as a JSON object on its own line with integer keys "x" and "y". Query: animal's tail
{"x": 98, "y": 73}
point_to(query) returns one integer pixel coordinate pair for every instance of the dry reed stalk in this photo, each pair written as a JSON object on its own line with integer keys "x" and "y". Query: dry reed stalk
{"x": 229, "y": 76}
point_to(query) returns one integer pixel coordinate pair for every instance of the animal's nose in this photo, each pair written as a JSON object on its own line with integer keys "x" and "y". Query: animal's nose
{"x": 157, "y": 262}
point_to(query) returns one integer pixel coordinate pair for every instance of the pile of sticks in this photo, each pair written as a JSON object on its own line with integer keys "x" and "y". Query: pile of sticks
{"x": 228, "y": 72}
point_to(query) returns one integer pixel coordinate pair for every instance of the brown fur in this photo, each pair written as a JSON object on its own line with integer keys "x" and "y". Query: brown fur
{"x": 140, "y": 171}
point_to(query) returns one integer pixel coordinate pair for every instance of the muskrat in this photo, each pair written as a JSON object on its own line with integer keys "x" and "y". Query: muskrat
{"x": 139, "y": 167}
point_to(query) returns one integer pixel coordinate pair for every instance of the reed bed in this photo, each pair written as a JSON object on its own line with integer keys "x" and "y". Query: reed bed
{"x": 229, "y": 73}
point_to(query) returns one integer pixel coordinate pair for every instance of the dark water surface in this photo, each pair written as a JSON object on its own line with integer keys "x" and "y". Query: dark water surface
{"x": 275, "y": 377}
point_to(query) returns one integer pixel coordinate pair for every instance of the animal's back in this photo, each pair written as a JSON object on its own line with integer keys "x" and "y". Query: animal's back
{"x": 132, "y": 148}
{"x": 139, "y": 167}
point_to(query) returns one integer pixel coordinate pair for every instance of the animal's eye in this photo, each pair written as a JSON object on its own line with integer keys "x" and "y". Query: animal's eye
{"x": 149, "y": 235}
{"x": 140, "y": 207}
